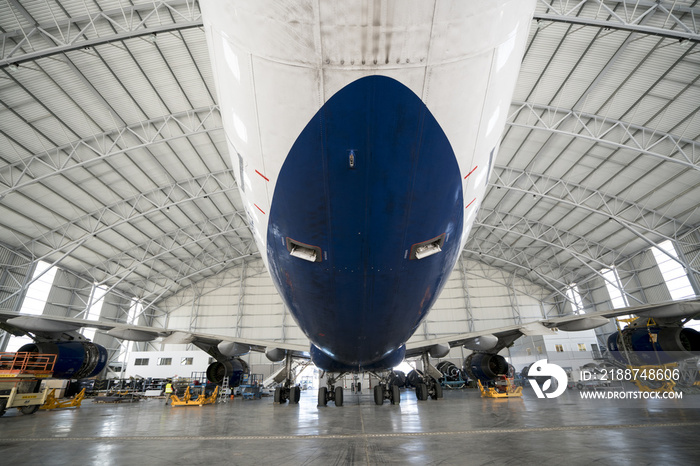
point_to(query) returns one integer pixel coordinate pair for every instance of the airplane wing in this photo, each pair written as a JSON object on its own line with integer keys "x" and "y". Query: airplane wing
{"x": 66, "y": 328}
{"x": 491, "y": 340}
{"x": 494, "y": 340}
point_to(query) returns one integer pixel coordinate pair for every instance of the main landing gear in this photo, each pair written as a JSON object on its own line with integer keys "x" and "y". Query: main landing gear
{"x": 288, "y": 391}
{"x": 331, "y": 392}
{"x": 386, "y": 390}
{"x": 429, "y": 386}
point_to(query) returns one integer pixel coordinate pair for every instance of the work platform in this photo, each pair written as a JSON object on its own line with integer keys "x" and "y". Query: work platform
{"x": 20, "y": 379}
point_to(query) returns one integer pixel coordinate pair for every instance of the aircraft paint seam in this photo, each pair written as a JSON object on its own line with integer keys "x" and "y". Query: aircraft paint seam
{"x": 351, "y": 436}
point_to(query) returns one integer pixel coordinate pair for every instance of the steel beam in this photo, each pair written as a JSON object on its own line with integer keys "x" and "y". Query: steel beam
{"x": 35, "y": 41}
{"x": 591, "y": 250}
{"x": 670, "y": 21}
{"x": 126, "y": 261}
{"x": 607, "y": 131}
{"x": 121, "y": 273}
{"x": 554, "y": 284}
{"x": 59, "y": 160}
{"x": 637, "y": 219}
{"x": 64, "y": 238}
{"x": 583, "y": 259}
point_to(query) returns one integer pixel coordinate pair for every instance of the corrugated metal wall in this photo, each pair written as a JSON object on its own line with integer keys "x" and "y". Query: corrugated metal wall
{"x": 14, "y": 268}
{"x": 689, "y": 248}
{"x": 239, "y": 302}
{"x": 648, "y": 285}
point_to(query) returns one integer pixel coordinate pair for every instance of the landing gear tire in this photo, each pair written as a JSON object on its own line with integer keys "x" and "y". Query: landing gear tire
{"x": 395, "y": 395}
{"x": 437, "y": 391}
{"x": 323, "y": 396}
{"x": 29, "y": 409}
{"x": 279, "y": 396}
{"x": 379, "y": 394}
{"x": 339, "y": 396}
{"x": 294, "y": 395}
{"x": 422, "y": 391}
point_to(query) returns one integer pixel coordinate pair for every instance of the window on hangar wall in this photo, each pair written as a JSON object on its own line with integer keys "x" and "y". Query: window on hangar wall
{"x": 614, "y": 287}
{"x": 575, "y": 299}
{"x": 674, "y": 273}
{"x": 94, "y": 310}
{"x": 35, "y": 299}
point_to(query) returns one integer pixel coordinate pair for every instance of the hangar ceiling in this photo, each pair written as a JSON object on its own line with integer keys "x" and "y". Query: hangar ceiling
{"x": 113, "y": 163}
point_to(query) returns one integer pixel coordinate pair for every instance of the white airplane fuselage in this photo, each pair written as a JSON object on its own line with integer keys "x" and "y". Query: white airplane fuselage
{"x": 362, "y": 136}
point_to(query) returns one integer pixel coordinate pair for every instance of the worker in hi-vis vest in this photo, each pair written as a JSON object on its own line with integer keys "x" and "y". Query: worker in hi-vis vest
{"x": 168, "y": 391}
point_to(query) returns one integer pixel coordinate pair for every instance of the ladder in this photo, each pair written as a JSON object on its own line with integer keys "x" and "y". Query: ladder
{"x": 224, "y": 392}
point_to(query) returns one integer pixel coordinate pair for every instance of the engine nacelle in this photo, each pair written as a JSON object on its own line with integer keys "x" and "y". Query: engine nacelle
{"x": 654, "y": 345}
{"x": 485, "y": 366}
{"x": 414, "y": 377}
{"x": 233, "y": 368}
{"x": 439, "y": 351}
{"x": 397, "y": 378}
{"x": 74, "y": 359}
{"x": 276, "y": 354}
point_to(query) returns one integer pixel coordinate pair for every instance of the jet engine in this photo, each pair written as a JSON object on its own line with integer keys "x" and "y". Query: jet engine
{"x": 74, "y": 359}
{"x": 485, "y": 366}
{"x": 653, "y": 345}
{"x": 449, "y": 370}
{"x": 233, "y": 368}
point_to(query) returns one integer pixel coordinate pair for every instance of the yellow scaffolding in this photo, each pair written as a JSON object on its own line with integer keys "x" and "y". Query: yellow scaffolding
{"x": 53, "y": 403}
{"x": 201, "y": 400}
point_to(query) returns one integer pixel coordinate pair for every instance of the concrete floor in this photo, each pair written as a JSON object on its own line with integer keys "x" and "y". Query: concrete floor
{"x": 462, "y": 428}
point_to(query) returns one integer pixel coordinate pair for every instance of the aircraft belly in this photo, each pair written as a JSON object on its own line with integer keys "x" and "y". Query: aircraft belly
{"x": 371, "y": 175}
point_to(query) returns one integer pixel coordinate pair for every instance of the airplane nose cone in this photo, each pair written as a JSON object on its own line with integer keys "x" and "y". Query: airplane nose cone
{"x": 366, "y": 220}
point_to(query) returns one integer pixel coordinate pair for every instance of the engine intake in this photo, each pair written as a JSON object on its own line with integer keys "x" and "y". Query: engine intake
{"x": 485, "y": 366}
{"x": 233, "y": 368}
{"x": 74, "y": 359}
{"x": 654, "y": 345}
